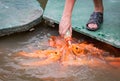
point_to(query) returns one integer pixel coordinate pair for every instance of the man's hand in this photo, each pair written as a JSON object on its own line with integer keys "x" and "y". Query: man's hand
{"x": 65, "y": 25}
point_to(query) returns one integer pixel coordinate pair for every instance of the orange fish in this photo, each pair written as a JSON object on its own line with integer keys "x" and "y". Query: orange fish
{"x": 68, "y": 55}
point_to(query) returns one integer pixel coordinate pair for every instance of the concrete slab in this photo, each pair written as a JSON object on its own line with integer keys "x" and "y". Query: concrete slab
{"x": 19, "y": 15}
{"x": 108, "y": 33}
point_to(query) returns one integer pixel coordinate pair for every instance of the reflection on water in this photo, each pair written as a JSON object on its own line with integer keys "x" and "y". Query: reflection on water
{"x": 11, "y": 70}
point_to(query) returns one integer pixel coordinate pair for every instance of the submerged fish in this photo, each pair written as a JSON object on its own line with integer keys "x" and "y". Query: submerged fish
{"x": 76, "y": 54}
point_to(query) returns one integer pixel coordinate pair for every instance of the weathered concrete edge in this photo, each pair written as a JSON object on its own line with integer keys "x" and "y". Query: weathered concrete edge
{"x": 99, "y": 39}
{"x": 21, "y": 28}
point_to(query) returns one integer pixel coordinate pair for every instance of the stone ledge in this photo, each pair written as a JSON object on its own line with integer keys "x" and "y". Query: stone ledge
{"x": 19, "y": 15}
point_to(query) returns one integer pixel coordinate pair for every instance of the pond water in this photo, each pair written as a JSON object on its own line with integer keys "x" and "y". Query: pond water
{"x": 11, "y": 70}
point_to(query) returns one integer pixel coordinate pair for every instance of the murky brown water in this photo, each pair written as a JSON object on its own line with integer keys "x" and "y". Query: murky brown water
{"x": 11, "y": 70}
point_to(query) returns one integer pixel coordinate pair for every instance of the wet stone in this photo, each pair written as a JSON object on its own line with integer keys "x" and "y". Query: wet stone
{"x": 18, "y": 15}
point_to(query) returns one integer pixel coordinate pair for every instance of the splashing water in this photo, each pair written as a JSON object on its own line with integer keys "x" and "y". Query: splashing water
{"x": 75, "y": 54}
{"x": 36, "y": 57}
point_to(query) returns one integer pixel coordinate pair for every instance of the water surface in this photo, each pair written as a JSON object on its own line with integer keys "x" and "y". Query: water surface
{"x": 11, "y": 70}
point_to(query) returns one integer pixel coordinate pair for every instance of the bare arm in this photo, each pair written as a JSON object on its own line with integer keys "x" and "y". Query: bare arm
{"x": 65, "y": 23}
{"x": 68, "y": 8}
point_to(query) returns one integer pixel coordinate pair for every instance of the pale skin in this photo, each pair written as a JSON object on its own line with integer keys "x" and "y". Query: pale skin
{"x": 65, "y": 23}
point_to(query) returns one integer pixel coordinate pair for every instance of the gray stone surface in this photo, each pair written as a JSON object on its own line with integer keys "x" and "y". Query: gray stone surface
{"x": 19, "y": 15}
